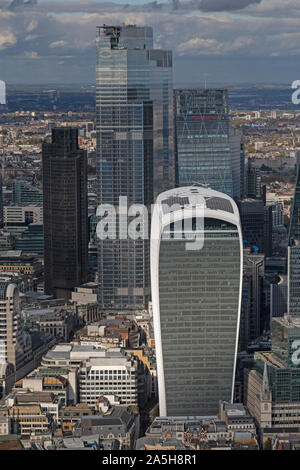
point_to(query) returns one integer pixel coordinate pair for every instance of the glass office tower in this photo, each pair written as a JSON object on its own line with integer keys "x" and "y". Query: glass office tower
{"x": 294, "y": 233}
{"x": 196, "y": 299}
{"x": 294, "y": 278}
{"x": 207, "y": 153}
{"x": 135, "y": 150}
{"x": 293, "y": 257}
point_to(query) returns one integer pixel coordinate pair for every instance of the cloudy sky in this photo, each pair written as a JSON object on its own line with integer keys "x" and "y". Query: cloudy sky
{"x": 220, "y": 41}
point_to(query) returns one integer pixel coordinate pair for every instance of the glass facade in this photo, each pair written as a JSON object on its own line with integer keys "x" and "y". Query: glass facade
{"x": 26, "y": 194}
{"x": 31, "y": 240}
{"x": 295, "y": 211}
{"x": 294, "y": 279}
{"x": 206, "y": 153}
{"x": 253, "y": 299}
{"x": 199, "y": 305}
{"x": 65, "y": 213}
{"x": 283, "y": 362}
{"x": 196, "y": 299}
{"x": 294, "y": 252}
{"x": 135, "y": 150}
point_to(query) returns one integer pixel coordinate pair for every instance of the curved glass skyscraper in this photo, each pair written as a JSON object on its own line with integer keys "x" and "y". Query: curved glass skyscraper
{"x": 196, "y": 296}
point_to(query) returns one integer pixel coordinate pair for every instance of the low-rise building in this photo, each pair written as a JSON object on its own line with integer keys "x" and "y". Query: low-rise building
{"x": 58, "y": 321}
{"x": 86, "y": 293}
{"x": 36, "y": 381}
{"x": 29, "y": 419}
{"x": 15, "y": 261}
{"x": 222, "y": 432}
{"x": 100, "y": 371}
{"x": 117, "y": 423}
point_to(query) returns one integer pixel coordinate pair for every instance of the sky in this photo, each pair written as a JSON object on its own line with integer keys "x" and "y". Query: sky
{"x": 214, "y": 41}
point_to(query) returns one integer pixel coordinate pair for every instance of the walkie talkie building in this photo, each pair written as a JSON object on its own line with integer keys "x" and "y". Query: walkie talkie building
{"x": 196, "y": 295}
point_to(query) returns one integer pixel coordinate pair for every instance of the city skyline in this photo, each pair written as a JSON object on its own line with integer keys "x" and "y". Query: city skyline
{"x": 149, "y": 230}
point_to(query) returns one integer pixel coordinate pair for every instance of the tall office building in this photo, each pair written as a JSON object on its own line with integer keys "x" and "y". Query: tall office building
{"x": 65, "y": 213}
{"x": 293, "y": 256}
{"x": 293, "y": 272}
{"x": 252, "y": 300}
{"x": 253, "y": 181}
{"x": 15, "y": 345}
{"x": 294, "y": 233}
{"x": 278, "y": 298}
{"x": 196, "y": 298}
{"x": 1, "y": 203}
{"x": 237, "y": 158}
{"x": 135, "y": 150}
{"x": 207, "y": 153}
{"x": 256, "y": 222}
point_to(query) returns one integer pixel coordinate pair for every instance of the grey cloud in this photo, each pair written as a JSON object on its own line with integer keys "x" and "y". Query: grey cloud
{"x": 171, "y": 5}
{"x": 19, "y": 4}
{"x": 223, "y": 5}
{"x": 36, "y": 35}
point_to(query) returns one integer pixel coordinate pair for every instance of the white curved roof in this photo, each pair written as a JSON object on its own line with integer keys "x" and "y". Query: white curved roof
{"x": 214, "y": 203}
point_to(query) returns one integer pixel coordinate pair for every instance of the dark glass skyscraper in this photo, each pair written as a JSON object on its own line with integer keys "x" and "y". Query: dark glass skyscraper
{"x": 257, "y": 224}
{"x": 65, "y": 213}
{"x": 252, "y": 300}
{"x": 135, "y": 150}
{"x": 207, "y": 153}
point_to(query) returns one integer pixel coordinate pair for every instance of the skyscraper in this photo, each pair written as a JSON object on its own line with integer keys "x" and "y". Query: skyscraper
{"x": 295, "y": 210}
{"x": 15, "y": 345}
{"x": 293, "y": 271}
{"x": 207, "y": 152}
{"x": 253, "y": 181}
{"x": 65, "y": 213}
{"x": 1, "y": 202}
{"x": 252, "y": 303}
{"x": 256, "y": 222}
{"x": 196, "y": 298}
{"x": 278, "y": 297}
{"x": 135, "y": 150}
{"x": 293, "y": 255}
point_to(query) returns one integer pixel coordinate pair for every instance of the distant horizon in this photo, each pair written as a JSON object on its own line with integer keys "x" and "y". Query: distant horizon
{"x": 175, "y": 85}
